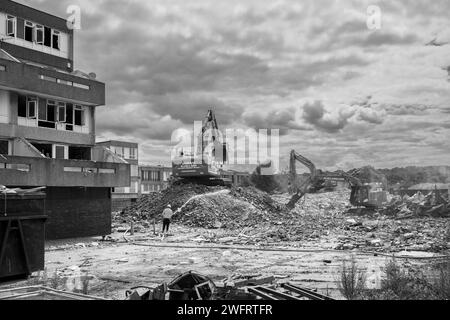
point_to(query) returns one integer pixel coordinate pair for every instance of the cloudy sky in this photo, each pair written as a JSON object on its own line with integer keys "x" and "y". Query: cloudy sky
{"x": 341, "y": 93}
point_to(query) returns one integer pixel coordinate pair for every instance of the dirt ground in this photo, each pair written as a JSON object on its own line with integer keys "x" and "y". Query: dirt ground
{"x": 317, "y": 239}
{"x": 148, "y": 260}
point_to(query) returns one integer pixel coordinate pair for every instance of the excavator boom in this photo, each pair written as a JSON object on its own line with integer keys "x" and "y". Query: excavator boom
{"x": 302, "y": 189}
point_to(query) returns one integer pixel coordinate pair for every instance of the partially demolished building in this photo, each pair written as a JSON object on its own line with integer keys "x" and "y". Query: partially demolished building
{"x": 47, "y": 124}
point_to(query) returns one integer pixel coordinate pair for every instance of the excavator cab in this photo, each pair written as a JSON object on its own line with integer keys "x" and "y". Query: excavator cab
{"x": 359, "y": 196}
{"x": 367, "y": 196}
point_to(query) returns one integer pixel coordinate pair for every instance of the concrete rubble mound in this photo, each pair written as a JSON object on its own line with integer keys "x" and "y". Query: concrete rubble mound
{"x": 208, "y": 207}
{"x": 418, "y": 205}
{"x": 247, "y": 216}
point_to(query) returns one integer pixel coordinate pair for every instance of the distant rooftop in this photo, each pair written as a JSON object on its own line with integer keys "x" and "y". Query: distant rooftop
{"x": 430, "y": 186}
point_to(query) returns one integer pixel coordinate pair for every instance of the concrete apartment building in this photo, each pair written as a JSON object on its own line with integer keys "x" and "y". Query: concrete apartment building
{"x": 128, "y": 151}
{"x": 47, "y": 124}
{"x": 154, "y": 178}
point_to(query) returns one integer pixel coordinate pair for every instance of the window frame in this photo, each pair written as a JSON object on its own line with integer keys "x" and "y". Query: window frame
{"x": 83, "y": 115}
{"x": 33, "y": 100}
{"x": 132, "y": 153}
{"x": 38, "y": 28}
{"x": 61, "y": 105}
{"x": 14, "y": 22}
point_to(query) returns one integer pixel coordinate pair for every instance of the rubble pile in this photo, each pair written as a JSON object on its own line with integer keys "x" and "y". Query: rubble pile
{"x": 418, "y": 205}
{"x": 151, "y": 206}
{"x": 219, "y": 210}
{"x": 208, "y": 207}
{"x": 247, "y": 216}
{"x": 392, "y": 235}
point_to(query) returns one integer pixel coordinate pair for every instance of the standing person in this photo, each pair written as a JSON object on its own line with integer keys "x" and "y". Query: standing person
{"x": 167, "y": 215}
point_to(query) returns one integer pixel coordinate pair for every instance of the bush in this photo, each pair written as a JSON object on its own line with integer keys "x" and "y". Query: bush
{"x": 401, "y": 284}
{"x": 396, "y": 280}
{"x": 352, "y": 282}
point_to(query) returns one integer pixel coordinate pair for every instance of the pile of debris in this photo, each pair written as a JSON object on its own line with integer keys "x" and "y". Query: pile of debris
{"x": 151, "y": 206}
{"x": 208, "y": 207}
{"x": 391, "y": 235}
{"x": 419, "y": 205}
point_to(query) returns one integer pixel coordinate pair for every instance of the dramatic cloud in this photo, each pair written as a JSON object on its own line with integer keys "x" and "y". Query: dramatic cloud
{"x": 284, "y": 120}
{"x": 331, "y": 122}
{"x": 336, "y": 90}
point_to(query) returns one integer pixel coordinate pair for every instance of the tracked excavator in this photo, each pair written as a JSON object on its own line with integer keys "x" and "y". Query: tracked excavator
{"x": 204, "y": 164}
{"x": 362, "y": 195}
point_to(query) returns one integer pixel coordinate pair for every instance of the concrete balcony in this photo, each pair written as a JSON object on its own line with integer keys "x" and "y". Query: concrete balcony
{"x": 34, "y": 172}
{"x": 32, "y": 79}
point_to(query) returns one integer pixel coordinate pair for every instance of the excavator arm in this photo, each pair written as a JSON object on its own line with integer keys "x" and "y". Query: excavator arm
{"x": 341, "y": 175}
{"x": 302, "y": 189}
{"x": 361, "y": 194}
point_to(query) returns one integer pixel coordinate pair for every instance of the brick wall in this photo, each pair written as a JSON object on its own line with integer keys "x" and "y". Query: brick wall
{"x": 120, "y": 204}
{"x": 77, "y": 212}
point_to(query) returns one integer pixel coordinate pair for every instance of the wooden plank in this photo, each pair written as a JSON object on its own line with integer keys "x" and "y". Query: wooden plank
{"x": 261, "y": 294}
{"x": 277, "y": 293}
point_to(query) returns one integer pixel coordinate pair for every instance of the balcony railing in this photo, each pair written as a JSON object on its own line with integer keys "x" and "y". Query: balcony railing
{"x": 30, "y": 171}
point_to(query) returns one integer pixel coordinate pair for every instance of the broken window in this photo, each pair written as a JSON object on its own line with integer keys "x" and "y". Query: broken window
{"x": 39, "y": 34}
{"x": 55, "y": 39}
{"x": 79, "y": 116}
{"x": 79, "y": 153}
{"x": 45, "y": 149}
{"x": 22, "y": 106}
{"x": 61, "y": 112}
{"x": 51, "y": 111}
{"x": 47, "y": 37}
{"x": 69, "y": 116}
{"x": 29, "y": 28}
{"x": 31, "y": 108}
{"x": 11, "y": 25}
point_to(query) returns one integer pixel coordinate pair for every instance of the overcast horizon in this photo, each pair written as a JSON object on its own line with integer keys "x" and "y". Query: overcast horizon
{"x": 341, "y": 94}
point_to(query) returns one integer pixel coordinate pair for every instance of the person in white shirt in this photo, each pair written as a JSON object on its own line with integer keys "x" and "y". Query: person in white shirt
{"x": 167, "y": 216}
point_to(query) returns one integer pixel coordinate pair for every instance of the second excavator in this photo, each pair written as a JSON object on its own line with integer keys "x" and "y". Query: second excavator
{"x": 362, "y": 195}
